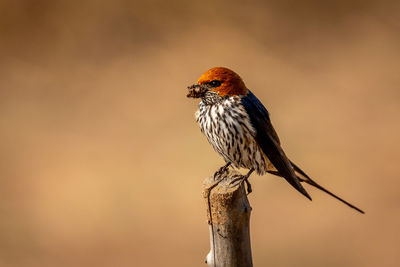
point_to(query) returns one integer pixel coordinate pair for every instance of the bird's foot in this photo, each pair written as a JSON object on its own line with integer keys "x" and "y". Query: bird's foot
{"x": 249, "y": 189}
{"x": 245, "y": 178}
{"x": 221, "y": 170}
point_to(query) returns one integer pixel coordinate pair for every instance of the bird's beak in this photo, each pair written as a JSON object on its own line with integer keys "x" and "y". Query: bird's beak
{"x": 197, "y": 90}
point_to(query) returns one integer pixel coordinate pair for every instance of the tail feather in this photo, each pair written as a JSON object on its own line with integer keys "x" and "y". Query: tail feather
{"x": 309, "y": 181}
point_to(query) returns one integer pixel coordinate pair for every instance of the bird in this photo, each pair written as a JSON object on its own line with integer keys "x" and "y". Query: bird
{"x": 239, "y": 128}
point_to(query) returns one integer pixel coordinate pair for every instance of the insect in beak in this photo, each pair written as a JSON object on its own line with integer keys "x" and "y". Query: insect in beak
{"x": 197, "y": 90}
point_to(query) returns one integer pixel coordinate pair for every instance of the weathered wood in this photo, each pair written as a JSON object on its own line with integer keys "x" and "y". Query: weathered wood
{"x": 228, "y": 213}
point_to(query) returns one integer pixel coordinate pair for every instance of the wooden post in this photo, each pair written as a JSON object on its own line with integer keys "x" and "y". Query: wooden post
{"x": 228, "y": 213}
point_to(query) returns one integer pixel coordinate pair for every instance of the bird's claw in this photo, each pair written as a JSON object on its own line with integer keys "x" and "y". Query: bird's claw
{"x": 241, "y": 179}
{"x": 249, "y": 189}
{"x": 221, "y": 170}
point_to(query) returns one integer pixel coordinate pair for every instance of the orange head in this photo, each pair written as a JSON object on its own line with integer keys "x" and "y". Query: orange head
{"x": 223, "y": 81}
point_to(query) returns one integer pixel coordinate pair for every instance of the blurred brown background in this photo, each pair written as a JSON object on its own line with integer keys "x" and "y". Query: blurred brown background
{"x": 101, "y": 161}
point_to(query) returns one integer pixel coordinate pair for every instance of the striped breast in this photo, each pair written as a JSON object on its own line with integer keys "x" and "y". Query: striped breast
{"x": 228, "y": 129}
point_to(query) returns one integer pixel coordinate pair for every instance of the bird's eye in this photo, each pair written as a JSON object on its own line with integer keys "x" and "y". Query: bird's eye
{"x": 215, "y": 83}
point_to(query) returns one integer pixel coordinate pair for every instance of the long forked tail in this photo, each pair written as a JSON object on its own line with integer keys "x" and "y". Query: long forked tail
{"x": 309, "y": 181}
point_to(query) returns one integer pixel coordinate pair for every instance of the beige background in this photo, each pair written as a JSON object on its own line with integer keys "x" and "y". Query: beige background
{"x": 101, "y": 162}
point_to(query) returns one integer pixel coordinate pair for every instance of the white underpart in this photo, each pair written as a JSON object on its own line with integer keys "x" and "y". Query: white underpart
{"x": 228, "y": 129}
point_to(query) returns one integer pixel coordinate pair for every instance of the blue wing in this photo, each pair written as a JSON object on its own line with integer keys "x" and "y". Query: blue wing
{"x": 268, "y": 140}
